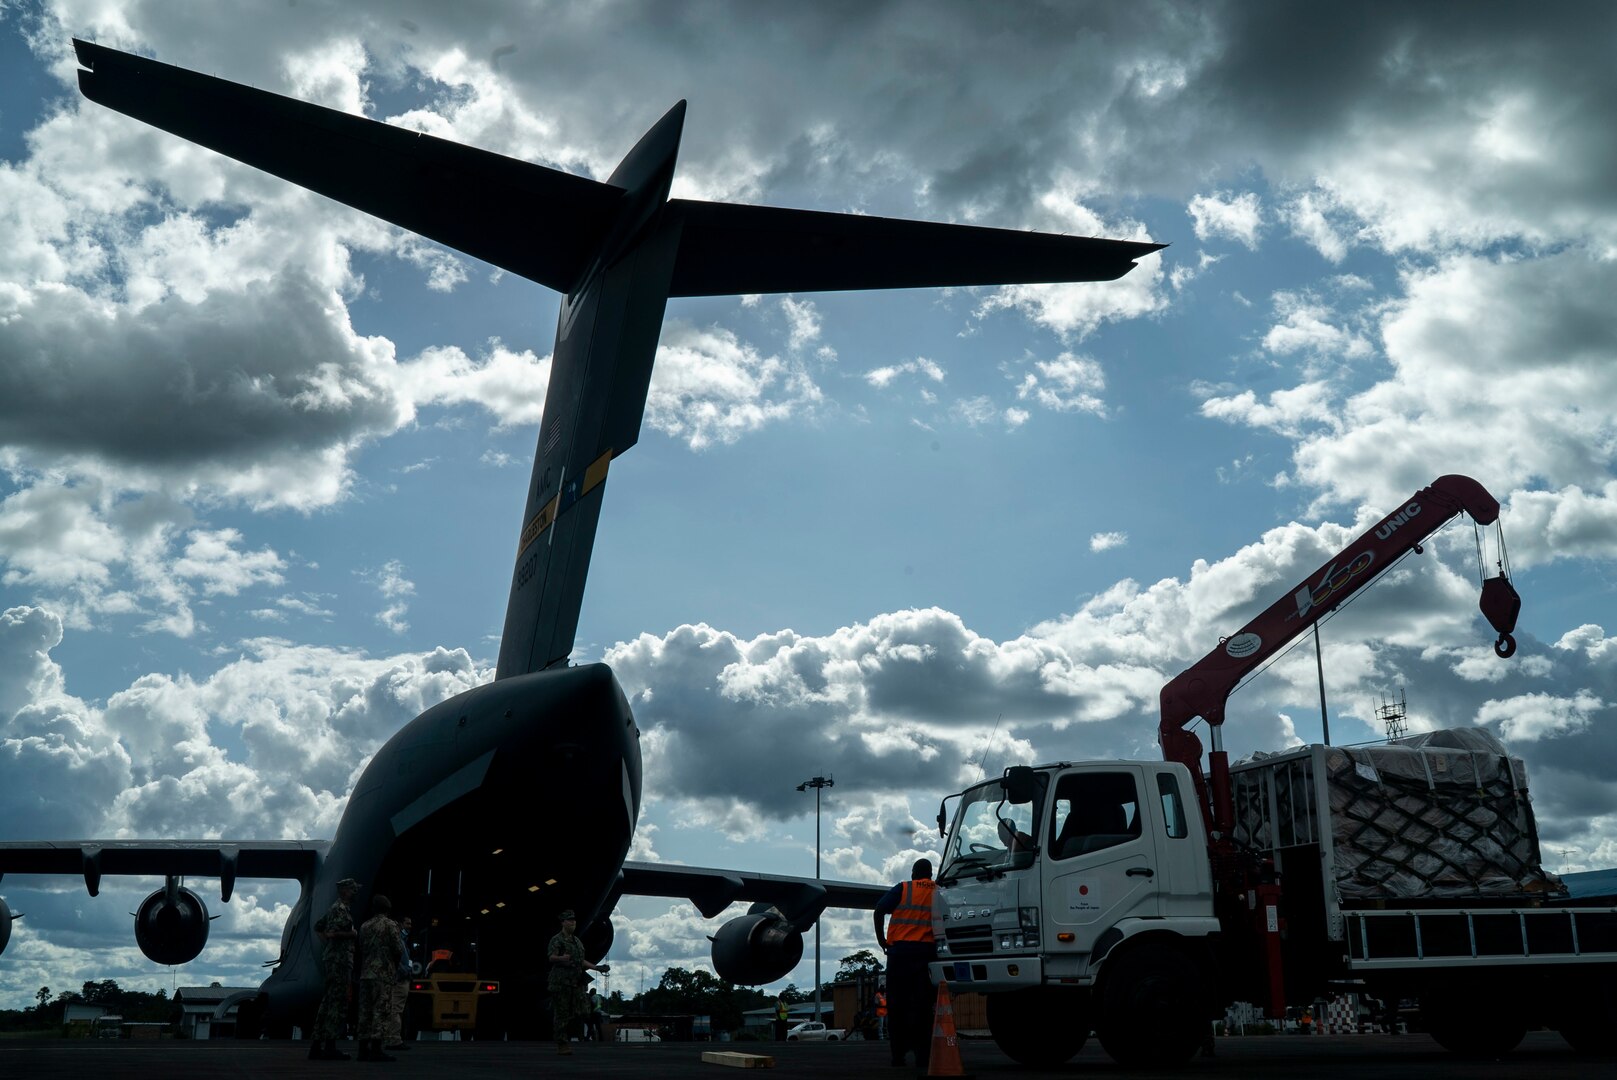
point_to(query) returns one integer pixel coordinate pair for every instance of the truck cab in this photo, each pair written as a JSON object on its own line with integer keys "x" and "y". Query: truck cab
{"x": 1095, "y": 853}
{"x": 1051, "y": 874}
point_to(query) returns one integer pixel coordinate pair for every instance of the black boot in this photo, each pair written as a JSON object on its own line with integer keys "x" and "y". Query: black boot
{"x": 378, "y": 1054}
{"x": 317, "y": 1049}
{"x": 332, "y": 1053}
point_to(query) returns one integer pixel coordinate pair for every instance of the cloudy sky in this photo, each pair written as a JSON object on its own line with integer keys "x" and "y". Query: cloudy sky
{"x": 262, "y": 458}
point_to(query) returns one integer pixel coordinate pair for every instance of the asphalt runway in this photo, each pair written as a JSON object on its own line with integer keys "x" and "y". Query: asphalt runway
{"x": 1543, "y": 1055}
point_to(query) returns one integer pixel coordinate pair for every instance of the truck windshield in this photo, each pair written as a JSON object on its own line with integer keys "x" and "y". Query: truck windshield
{"x": 988, "y": 829}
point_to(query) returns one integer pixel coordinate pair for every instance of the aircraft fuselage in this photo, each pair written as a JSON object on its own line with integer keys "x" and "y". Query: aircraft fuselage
{"x": 482, "y": 818}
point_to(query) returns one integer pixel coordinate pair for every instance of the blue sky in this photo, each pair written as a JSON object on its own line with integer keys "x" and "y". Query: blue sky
{"x": 261, "y": 458}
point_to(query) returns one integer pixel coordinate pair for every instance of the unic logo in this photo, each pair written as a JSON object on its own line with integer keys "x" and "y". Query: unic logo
{"x": 1390, "y": 526}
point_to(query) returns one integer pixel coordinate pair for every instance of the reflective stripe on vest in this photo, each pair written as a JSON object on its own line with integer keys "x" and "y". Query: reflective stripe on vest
{"x": 912, "y": 919}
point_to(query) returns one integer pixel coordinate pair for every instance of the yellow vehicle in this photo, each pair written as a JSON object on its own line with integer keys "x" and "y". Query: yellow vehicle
{"x": 447, "y": 1001}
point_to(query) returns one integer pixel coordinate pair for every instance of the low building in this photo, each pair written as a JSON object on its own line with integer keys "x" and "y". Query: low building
{"x": 198, "y": 1004}
{"x": 79, "y": 1019}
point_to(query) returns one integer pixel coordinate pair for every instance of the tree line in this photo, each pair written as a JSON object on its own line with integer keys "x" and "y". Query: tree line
{"x": 684, "y": 992}
{"x": 46, "y": 1013}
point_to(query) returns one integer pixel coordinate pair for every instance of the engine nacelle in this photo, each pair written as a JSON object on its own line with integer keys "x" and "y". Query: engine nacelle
{"x": 171, "y": 926}
{"x": 5, "y": 924}
{"x": 597, "y": 940}
{"x": 759, "y": 947}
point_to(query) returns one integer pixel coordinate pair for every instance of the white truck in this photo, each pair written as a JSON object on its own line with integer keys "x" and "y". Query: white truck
{"x": 1137, "y": 899}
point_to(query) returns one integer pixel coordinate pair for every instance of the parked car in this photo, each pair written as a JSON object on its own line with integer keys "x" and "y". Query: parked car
{"x": 811, "y": 1030}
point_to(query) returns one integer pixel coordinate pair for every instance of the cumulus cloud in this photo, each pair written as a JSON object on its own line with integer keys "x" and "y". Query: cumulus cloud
{"x": 395, "y": 587}
{"x": 1227, "y": 216}
{"x": 710, "y": 386}
{"x": 882, "y": 377}
{"x": 1069, "y": 383}
{"x": 1105, "y": 541}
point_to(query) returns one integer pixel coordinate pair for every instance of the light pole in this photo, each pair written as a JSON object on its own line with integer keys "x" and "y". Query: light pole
{"x": 817, "y": 783}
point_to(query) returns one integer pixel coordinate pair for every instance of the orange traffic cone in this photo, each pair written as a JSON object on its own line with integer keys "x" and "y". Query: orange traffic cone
{"x": 945, "y": 1057}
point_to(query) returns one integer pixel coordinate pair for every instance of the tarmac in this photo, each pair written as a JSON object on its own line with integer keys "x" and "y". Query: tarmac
{"x": 1543, "y": 1055}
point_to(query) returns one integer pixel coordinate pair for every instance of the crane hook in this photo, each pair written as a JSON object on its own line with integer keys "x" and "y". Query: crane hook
{"x": 1505, "y": 647}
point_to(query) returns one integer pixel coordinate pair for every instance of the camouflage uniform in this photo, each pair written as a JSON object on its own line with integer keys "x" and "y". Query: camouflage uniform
{"x": 566, "y": 984}
{"x": 379, "y": 950}
{"x": 337, "y": 959}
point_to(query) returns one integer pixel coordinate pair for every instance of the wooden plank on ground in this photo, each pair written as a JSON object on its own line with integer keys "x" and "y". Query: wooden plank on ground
{"x": 736, "y": 1060}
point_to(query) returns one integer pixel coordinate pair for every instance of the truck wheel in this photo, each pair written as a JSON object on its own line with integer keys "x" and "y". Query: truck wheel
{"x": 1039, "y": 1028}
{"x": 1152, "y": 1009}
{"x": 1589, "y": 1018}
{"x": 1482, "y": 1024}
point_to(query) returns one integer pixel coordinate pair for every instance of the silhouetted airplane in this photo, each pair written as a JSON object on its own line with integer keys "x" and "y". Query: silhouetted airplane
{"x": 491, "y": 812}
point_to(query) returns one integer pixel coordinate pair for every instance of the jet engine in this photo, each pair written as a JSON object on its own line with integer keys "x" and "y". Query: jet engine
{"x": 759, "y": 947}
{"x": 171, "y": 926}
{"x": 597, "y": 940}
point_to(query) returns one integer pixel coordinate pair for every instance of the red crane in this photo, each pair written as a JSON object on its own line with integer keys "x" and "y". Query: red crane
{"x": 1201, "y": 689}
{"x": 1248, "y": 889}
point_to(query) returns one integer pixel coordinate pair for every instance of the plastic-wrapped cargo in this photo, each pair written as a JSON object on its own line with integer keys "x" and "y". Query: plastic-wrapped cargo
{"x": 1444, "y": 815}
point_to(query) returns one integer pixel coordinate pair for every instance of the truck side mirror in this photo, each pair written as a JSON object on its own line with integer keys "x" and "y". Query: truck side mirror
{"x": 1021, "y": 785}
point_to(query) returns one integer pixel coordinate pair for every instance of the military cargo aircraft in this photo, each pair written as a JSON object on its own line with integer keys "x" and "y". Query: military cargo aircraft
{"x": 494, "y": 810}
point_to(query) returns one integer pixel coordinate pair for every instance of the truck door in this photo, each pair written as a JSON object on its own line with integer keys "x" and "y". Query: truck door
{"x": 1101, "y": 855}
{"x": 1184, "y": 884}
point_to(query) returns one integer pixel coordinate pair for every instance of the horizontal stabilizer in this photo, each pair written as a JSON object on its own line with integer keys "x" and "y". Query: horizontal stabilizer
{"x": 727, "y": 248}
{"x": 540, "y": 223}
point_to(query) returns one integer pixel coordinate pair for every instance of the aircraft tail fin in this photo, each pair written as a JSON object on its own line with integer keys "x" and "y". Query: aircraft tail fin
{"x": 618, "y": 250}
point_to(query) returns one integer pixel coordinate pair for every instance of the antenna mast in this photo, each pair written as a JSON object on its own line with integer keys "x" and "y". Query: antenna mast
{"x": 1393, "y": 715}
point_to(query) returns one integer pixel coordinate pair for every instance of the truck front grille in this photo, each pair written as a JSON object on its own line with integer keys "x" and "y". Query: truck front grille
{"x": 970, "y": 940}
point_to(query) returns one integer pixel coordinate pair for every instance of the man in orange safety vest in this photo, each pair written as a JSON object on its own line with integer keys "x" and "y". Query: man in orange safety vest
{"x": 910, "y": 947}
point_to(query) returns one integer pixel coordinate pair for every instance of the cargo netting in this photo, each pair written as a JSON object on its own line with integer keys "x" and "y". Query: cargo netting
{"x": 1440, "y": 815}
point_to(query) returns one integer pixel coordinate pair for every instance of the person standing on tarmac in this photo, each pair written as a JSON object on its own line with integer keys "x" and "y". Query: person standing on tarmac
{"x": 910, "y": 947}
{"x": 394, "y": 1040}
{"x": 566, "y": 983}
{"x": 336, "y": 929}
{"x": 379, "y": 952}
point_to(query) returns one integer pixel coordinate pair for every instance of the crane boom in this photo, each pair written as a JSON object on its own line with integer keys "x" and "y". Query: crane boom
{"x": 1202, "y": 689}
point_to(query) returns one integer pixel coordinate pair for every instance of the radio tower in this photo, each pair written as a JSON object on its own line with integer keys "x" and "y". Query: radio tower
{"x": 1392, "y": 715}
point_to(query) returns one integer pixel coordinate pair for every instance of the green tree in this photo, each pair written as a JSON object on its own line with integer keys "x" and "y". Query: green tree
{"x": 793, "y": 996}
{"x": 699, "y": 993}
{"x": 43, "y": 997}
{"x": 863, "y": 962}
{"x": 105, "y": 992}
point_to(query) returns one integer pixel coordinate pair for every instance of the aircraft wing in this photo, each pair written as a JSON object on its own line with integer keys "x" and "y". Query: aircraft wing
{"x": 224, "y": 859}
{"x": 727, "y": 248}
{"x": 540, "y": 223}
{"x": 800, "y": 899}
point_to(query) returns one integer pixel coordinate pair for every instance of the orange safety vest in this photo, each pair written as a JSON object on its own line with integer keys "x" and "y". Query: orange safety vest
{"x": 912, "y": 919}
{"x": 881, "y": 1004}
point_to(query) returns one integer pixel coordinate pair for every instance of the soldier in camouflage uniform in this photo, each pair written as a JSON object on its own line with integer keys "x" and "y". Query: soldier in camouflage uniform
{"x": 336, "y": 929}
{"x": 566, "y": 985}
{"x": 379, "y": 951}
